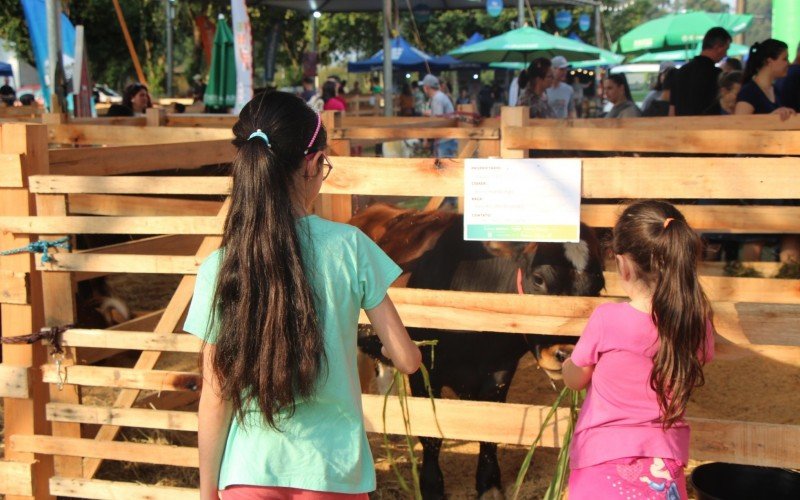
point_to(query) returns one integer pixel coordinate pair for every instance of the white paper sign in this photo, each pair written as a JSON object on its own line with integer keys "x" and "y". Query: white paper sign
{"x": 522, "y": 200}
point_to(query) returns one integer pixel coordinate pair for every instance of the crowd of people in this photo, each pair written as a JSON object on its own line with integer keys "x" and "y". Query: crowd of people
{"x": 708, "y": 84}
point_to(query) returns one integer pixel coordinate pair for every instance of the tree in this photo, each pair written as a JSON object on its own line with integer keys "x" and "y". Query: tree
{"x": 619, "y": 22}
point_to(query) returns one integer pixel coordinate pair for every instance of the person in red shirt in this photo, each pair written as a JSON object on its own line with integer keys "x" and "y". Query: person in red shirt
{"x": 330, "y": 97}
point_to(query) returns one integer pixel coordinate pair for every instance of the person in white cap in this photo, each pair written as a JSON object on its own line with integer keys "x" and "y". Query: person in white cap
{"x": 560, "y": 96}
{"x": 439, "y": 105}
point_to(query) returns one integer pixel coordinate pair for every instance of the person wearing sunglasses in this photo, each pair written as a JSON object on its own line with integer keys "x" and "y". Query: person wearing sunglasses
{"x": 277, "y": 307}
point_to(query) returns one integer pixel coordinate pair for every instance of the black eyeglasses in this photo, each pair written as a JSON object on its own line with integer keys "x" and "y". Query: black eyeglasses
{"x": 326, "y": 164}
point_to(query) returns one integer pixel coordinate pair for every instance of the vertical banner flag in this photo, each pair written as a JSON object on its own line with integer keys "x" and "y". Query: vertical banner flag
{"x": 36, "y": 18}
{"x": 271, "y": 42}
{"x": 243, "y": 50}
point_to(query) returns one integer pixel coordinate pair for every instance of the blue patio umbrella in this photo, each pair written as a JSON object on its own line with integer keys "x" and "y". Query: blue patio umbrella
{"x": 5, "y": 69}
{"x": 405, "y": 57}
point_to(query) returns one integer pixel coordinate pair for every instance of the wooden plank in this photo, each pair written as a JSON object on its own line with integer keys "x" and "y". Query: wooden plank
{"x": 204, "y": 120}
{"x": 122, "y": 135}
{"x": 125, "y": 417}
{"x": 766, "y": 269}
{"x": 728, "y": 289}
{"x": 350, "y": 122}
{"x": 394, "y": 134}
{"x": 634, "y": 178}
{"x": 11, "y": 171}
{"x": 179, "y": 456}
{"x": 137, "y": 185}
{"x": 126, "y": 378}
{"x": 89, "y": 356}
{"x": 109, "y": 204}
{"x": 107, "y": 263}
{"x": 117, "y": 339}
{"x": 13, "y": 287}
{"x": 511, "y": 117}
{"x": 102, "y": 490}
{"x": 116, "y": 160}
{"x": 16, "y": 478}
{"x": 727, "y": 122}
{"x": 112, "y": 225}
{"x": 712, "y": 218}
{"x": 127, "y": 121}
{"x": 60, "y": 309}
{"x": 762, "y": 142}
{"x": 754, "y": 443}
{"x": 15, "y": 381}
{"x": 511, "y": 423}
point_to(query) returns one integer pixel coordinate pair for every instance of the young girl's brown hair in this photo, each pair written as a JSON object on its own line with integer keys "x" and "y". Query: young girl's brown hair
{"x": 655, "y": 235}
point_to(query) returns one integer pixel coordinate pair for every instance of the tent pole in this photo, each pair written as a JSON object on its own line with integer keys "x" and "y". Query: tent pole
{"x": 55, "y": 71}
{"x": 388, "y": 107}
{"x": 520, "y": 13}
{"x": 129, "y": 42}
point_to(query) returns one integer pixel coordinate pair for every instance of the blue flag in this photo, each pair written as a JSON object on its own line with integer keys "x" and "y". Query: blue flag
{"x": 36, "y": 18}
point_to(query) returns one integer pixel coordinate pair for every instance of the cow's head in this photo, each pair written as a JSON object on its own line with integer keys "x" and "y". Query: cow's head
{"x": 555, "y": 269}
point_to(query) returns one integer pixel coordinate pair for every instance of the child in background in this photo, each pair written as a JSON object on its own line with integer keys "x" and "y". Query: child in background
{"x": 277, "y": 306}
{"x": 641, "y": 360}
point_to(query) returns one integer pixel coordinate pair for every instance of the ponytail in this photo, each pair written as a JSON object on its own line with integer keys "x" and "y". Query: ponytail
{"x": 269, "y": 348}
{"x": 666, "y": 251}
{"x": 758, "y": 55}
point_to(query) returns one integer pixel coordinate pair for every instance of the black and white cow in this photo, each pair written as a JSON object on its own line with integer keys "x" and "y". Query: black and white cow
{"x": 431, "y": 249}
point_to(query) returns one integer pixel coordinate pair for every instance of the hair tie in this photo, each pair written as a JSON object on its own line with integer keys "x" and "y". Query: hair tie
{"x": 667, "y": 221}
{"x": 313, "y": 137}
{"x": 261, "y": 135}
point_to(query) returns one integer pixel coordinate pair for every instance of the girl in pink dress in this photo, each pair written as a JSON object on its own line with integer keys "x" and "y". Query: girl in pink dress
{"x": 641, "y": 360}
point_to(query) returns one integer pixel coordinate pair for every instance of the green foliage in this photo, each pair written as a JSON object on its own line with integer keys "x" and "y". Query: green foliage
{"x": 14, "y": 30}
{"x": 707, "y": 5}
{"x": 619, "y": 22}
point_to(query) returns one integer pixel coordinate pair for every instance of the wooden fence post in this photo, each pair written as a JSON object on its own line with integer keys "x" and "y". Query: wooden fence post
{"x": 156, "y": 117}
{"x": 512, "y": 117}
{"x": 336, "y": 207}
{"x": 25, "y": 416}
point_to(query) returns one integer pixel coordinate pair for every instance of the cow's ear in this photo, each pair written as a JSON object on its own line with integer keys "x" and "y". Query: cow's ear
{"x": 530, "y": 249}
{"x": 504, "y": 249}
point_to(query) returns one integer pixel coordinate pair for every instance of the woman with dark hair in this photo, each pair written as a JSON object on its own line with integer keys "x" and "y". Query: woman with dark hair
{"x": 329, "y": 97}
{"x": 135, "y": 100}
{"x": 618, "y": 93}
{"x": 277, "y": 307}
{"x": 540, "y": 76}
{"x": 767, "y": 62}
{"x": 406, "y": 101}
{"x": 660, "y": 105}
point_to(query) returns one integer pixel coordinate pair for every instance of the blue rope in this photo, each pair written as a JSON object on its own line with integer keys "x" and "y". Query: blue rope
{"x": 42, "y": 247}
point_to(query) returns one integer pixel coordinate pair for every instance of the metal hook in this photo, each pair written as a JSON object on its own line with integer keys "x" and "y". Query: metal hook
{"x": 61, "y": 370}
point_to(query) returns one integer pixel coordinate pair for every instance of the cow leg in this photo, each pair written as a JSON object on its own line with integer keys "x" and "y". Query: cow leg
{"x": 487, "y": 475}
{"x": 431, "y": 479}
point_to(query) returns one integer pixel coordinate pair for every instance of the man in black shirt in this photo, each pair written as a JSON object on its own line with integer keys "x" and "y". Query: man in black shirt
{"x": 7, "y": 94}
{"x": 789, "y": 87}
{"x": 695, "y": 90}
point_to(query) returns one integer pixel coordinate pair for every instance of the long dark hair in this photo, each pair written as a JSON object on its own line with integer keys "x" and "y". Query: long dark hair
{"x": 270, "y": 348}
{"x": 538, "y": 69}
{"x": 131, "y": 90}
{"x": 621, "y": 79}
{"x": 655, "y": 235}
{"x": 759, "y": 53}
{"x": 329, "y": 90}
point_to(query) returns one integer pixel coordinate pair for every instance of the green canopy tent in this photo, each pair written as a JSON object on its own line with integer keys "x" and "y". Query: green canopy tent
{"x": 679, "y": 30}
{"x": 523, "y": 45}
{"x": 735, "y": 50}
{"x": 221, "y": 90}
{"x": 607, "y": 58}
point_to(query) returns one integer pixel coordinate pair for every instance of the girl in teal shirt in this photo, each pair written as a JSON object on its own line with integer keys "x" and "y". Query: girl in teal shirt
{"x": 277, "y": 306}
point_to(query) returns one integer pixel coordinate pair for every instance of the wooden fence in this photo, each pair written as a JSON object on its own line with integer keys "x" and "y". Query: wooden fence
{"x": 72, "y": 194}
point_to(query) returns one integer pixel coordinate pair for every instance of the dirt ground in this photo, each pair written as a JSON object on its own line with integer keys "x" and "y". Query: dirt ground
{"x": 740, "y": 385}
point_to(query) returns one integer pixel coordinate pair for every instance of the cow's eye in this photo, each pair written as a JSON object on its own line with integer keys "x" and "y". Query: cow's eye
{"x": 538, "y": 280}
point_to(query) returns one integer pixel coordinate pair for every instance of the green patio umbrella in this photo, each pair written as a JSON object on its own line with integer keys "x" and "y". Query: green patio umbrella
{"x": 679, "y": 30}
{"x": 221, "y": 89}
{"x": 523, "y": 45}
{"x": 607, "y": 58}
{"x": 735, "y": 50}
